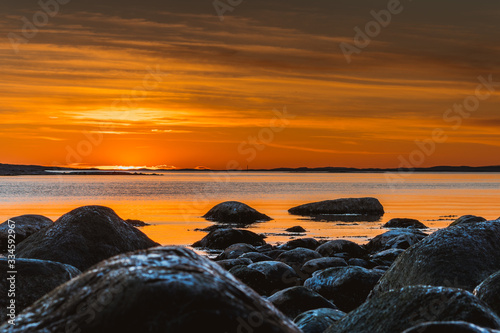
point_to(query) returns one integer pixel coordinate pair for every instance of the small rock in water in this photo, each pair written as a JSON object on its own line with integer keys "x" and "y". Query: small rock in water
{"x": 136, "y": 223}
{"x": 404, "y": 223}
{"x": 296, "y": 229}
{"x": 363, "y": 206}
{"x": 235, "y": 212}
{"x": 467, "y": 219}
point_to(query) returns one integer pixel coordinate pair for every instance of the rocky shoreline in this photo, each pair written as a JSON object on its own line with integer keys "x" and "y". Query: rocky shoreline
{"x": 91, "y": 271}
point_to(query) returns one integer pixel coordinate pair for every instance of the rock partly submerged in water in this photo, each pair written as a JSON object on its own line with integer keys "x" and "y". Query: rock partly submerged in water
{"x": 83, "y": 237}
{"x": 359, "y": 206}
{"x": 34, "y": 278}
{"x": 235, "y": 212}
{"x": 397, "y": 310}
{"x": 404, "y": 223}
{"x": 222, "y": 238}
{"x": 461, "y": 257}
{"x": 23, "y": 226}
{"x": 136, "y": 223}
{"x": 318, "y": 320}
{"x": 467, "y": 219}
{"x": 297, "y": 228}
{"x": 347, "y": 287}
{"x": 158, "y": 290}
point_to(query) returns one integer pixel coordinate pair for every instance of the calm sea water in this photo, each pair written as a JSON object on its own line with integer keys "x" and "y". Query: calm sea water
{"x": 173, "y": 203}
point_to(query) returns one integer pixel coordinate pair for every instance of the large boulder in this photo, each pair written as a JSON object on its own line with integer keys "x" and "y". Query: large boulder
{"x": 461, "y": 256}
{"x": 83, "y": 237}
{"x": 448, "y": 327}
{"x": 34, "y": 278}
{"x": 347, "y": 287}
{"x": 397, "y": 310}
{"x": 318, "y": 320}
{"x": 404, "y": 223}
{"x": 467, "y": 219}
{"x": 332, "y": 247}
{"x": 489, "y": 291}
{"x": 395, "y": 239}
{"x": 223, "y": 238}
{"x": 158, "y": 290}
{"x": 235, "y": 212}
{"x": 361, "y": 206}
{"x": 23, "y": 226}
{"x": 295, "y": 300}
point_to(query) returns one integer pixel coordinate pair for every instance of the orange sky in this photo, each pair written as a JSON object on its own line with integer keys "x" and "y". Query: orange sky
{"x": 215, "y": 84}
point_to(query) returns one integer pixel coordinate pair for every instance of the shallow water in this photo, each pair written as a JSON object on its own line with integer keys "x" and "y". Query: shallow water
{"x": 174, "y": 202}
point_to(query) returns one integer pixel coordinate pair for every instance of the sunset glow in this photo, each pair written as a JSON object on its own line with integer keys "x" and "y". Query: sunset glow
{"x": 170, "y": 85}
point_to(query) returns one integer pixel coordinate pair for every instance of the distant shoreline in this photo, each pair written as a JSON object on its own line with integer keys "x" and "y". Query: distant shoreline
{"x": 37, "y": 170}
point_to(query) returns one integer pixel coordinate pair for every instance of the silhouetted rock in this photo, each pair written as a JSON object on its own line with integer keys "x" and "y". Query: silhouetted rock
{"x": 295, "y": 300}
{"x": 404, "y": 223}
{"x": 467, "y": 219}
{"x": 347, "y": 287}
{"x": 298, "y": 256}
{"x": 366, "y": 206}
{"x": 314, "y": 265}
{"x": 34, "y": 278}
{"x": 83, "y": 237}
{"x": 318, "y": 320}
{"x": 23, "y": 226}
{"x": 395, "y": 239}
{"x": 397, "y": 310}
{"x": 235, "y": 212}
{"x": 222, "y": 238}
{"x": 296, "y": 229}
{"x": 330, "y": 248}
{"x": 308, "y": 243}
{"x": 160, "y": 290}
{"x": 279, "y": 275}
{"x": 461, "y": 256}
{"x": 489, "y": 291}
{"x": 448, "y": 327}
{"x": 136, "y": 223}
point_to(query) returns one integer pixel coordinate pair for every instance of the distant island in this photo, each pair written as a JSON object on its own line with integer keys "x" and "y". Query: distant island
{"x": 19, "y": 170}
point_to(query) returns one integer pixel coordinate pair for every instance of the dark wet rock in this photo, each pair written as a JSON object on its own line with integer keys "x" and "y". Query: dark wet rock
{"x": 265, "y": 248}
{"x": 358, "y": 262}
{"x": 296, "y": 229}
{"x": 467, "y": 219}
{"x": 308, "y": 243}
{"x": 83, "y": 237}
{"x": 386, "y": 257}
{"x": 34, "y": 279}
{"x": 278, "y": 274}
{"x": 255, "y": 257}
{"x": 136, "y": 223}
{"x": 298, "y": 256}
{"x": 489, "y": 291}
{"x": 227, "y": 264}
{"x": 253, "y": 279}
{"x": 404, "y": 223}
{"x": 344, "y": 255}
{"x": 448, "y": 327}
{"x": 318, "y": 320}
{"x": 347, "y": 287}
{"x": 223, "y": 238}
{"x": 295, "y": 300}
{"x": 274, "y": 253}
{"x": 160, "y": 290}
{"x": 314, "y": 265}
{"x": 381, "y": 268}
{"x": 214, "y": 227}
{"x": 397, "y": 310}
{"x": 330, "y": 248}
{"x": 461, "y": 256}
{"x": 395, "y": 239}
{"x": 235, "y": 251}
{"x": 24, "y": 226}
{"x": 235, "y": 212}
{"x": 368, "y": 206}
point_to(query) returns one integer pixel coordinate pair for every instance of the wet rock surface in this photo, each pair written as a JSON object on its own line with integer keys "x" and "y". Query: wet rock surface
{"x": 24, "y": 226}
{"x": 235, "y": 212}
